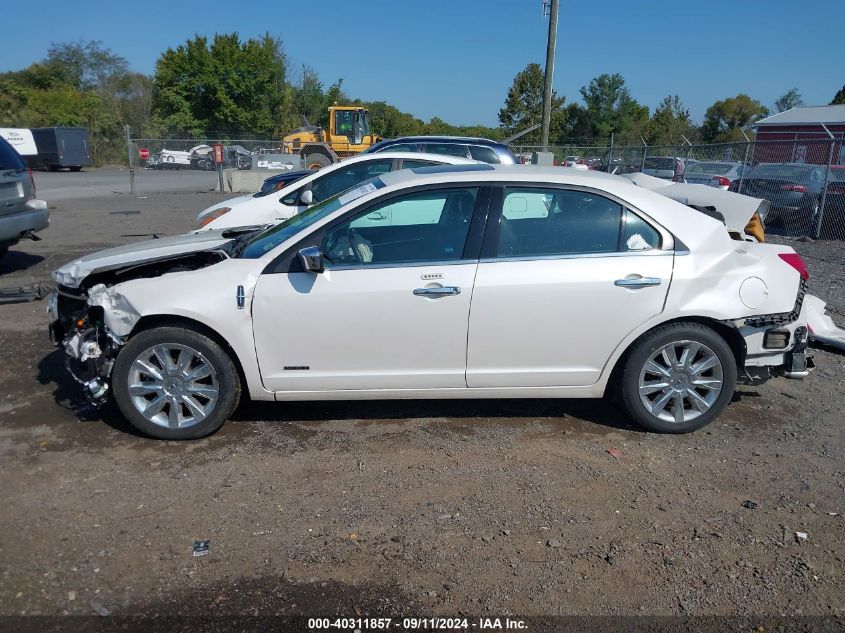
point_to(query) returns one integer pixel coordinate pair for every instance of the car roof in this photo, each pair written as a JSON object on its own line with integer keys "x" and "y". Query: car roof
{"x": 442, "y": 158}
{"x": 441, "y": 139}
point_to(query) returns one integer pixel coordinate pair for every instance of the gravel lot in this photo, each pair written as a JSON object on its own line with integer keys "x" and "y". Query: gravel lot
{"x": 421, "y": 508}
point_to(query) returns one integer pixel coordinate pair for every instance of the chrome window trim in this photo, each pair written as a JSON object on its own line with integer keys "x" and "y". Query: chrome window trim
{"x": 440, "y": 262}
{"x": 528, "y": 258}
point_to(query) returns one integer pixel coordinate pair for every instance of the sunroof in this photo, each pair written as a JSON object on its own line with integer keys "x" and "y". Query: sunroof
{"x": 450, "y": 169}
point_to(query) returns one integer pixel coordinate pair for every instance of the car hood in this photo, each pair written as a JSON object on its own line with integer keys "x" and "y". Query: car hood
{"x": 73, "y": 273}
{"x": 736, "y": 208}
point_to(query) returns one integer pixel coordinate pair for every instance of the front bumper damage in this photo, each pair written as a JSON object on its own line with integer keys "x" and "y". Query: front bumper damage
{"x": 91, "y": 328}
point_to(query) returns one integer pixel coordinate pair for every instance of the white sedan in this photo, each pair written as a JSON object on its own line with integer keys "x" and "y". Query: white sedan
{"x": 272, "y": 208}
{"x": 466, "y": 281}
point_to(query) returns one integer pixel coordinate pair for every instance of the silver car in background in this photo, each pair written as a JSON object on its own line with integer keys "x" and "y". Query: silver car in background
{"x": 666, "y": 167}
{"x": 715, "y": 173}
{"x": 21, "y": 214}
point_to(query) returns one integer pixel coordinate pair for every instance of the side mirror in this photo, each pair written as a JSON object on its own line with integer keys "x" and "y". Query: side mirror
{"x": 312, "y": 259}
{"x": 307, "y": 197}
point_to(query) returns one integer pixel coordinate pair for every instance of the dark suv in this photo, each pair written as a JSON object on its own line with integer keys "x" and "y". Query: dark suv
{"x": 481, "y": 149}
{"x": 21, "y": 214}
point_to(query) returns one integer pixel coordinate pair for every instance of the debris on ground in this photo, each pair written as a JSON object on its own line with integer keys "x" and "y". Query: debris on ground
{"x": 201, "y": 547}
{"x": 801, "y": 536}
{"x": 99, "y": 609}
{"x": 616, "y": 454}
{"x": 22, "y": 294}
{"x": 750, "y": 505}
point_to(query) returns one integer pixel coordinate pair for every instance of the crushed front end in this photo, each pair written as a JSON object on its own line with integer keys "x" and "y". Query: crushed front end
{"x": 90, "y": 346}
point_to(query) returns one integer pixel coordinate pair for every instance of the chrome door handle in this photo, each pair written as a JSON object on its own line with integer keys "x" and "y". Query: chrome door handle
{"x": 446, "y": 291}
{"x": 637, "y": 282}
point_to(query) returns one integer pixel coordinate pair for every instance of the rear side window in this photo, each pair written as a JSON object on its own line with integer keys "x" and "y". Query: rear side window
{"x": 538, "y": 222}
{"x": 637, "y": 234}
{"x": 343, "y": 178}
{"x": 449, "y": 149}
{"x": 410, "y": 163}
{"x": 484, "y": 154}
{"x": 9, "y": 158}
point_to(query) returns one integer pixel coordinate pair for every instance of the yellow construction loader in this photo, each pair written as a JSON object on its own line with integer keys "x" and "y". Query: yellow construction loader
{"x": 348, "y": 134}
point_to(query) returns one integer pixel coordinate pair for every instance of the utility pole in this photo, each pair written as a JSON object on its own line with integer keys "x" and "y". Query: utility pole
{"x": 550, "y": 71}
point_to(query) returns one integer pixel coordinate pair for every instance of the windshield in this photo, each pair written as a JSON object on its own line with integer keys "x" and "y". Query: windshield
{"x": 785, "y": 172}
{"x": 660, "y": 163}
{"x": 266, "y": 241}
{"x": 709, "y": 168}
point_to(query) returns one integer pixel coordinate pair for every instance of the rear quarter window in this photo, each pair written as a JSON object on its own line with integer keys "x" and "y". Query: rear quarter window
{"x": 484, "y": 154}
{"x": 9, "y": 158}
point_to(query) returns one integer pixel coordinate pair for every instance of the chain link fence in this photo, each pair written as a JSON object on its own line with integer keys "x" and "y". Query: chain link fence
{"x": 803, "y": 179}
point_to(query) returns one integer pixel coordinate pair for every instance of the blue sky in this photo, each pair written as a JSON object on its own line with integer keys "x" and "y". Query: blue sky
{"x": 456, "y": 58}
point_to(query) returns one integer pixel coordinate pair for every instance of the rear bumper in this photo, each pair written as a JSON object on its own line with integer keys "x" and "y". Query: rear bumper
{"x": 35, "y": 217}
{"x": 778, "y": 348}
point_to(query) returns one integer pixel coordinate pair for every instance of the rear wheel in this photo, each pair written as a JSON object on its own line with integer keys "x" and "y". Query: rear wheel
{"x": 317, "y": 160}
{"x": 174, "y": 383}
{"x": 677, "y": 378}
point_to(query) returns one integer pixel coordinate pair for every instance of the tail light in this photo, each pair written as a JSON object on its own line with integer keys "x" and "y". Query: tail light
{"x": 794, "y": 260}
{"x": 721, "y": 181}
{"x": 798, "y": 188}
{"x": 32, "y": 180}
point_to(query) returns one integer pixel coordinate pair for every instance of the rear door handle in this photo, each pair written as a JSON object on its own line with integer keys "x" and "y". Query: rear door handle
{"x": 445, "y": 291}
{"x": 637, "y": 282}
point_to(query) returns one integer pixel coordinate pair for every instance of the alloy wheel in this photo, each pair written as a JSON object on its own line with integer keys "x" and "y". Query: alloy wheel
{"x": 681, "y": 381}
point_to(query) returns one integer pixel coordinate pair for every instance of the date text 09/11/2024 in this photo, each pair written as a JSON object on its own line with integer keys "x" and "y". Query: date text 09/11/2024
{"x": 413, "y": 624}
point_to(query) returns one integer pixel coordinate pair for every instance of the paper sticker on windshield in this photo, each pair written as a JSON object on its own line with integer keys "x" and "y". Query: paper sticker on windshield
{"x": 356, "y": 193}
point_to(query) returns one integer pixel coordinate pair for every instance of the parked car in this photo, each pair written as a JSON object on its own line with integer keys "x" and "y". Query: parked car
{"x": 668, "y": 167}
{"x": 714, "y": 173}
{"x": 833, "y": 223}
{"x": 793, "y": 189}
{"x": 21, "y": 213}
{"x": 280, "y": 181}
{"x": 568, "y": 273}
{"x": 482, "y": 149}
{"x": 313, "y": 188}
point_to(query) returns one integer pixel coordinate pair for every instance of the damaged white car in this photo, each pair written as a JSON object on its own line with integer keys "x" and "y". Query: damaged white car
{"x": 465, "y": 281}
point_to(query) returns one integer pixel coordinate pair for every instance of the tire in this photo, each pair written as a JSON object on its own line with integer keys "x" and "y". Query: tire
{"x": 3, "y": 251}
{"x": 316, "y": 160}
{"x": 197, "y": 413}
{"x": 705, "y": 344}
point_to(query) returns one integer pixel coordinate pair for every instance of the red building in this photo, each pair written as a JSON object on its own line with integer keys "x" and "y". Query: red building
{"x": 799, "y": 136}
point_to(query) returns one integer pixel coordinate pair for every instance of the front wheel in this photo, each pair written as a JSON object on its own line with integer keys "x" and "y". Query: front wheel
{"x": 677, "y": 378}
{"x": 174, "y": 383}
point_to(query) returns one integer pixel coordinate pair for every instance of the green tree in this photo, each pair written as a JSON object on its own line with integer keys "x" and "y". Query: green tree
{"x": 226, "y": 86}
{"x": 724, "y": 120}
{"x": 524, "y": 106}
{"x": 839, "y": 97}
{"x": 791, "y": 99}
{"x": 612, "y": 109}
{"x": 85, "y": 65}
{"x": 670, "y": 122}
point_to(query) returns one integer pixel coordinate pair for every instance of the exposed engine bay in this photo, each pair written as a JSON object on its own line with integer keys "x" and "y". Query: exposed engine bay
{"x": 91, "y": 322}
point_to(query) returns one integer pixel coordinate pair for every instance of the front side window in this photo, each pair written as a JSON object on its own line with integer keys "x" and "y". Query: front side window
{"x": 346, "y": 177}
{"x": 400, "y": 147}
{"x": 415, "y": 228}
{"x": 538, "y": 222}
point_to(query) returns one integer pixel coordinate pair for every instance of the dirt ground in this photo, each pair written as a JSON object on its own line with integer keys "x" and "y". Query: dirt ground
{"x": 408, "y": 508}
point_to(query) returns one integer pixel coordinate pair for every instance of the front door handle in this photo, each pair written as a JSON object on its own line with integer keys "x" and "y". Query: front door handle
{"x": 446, "y": 291}
{"x": 637, "y": 282}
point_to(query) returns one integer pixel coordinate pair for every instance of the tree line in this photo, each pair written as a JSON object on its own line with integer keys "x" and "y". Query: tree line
{"x": 233, "y": 88}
